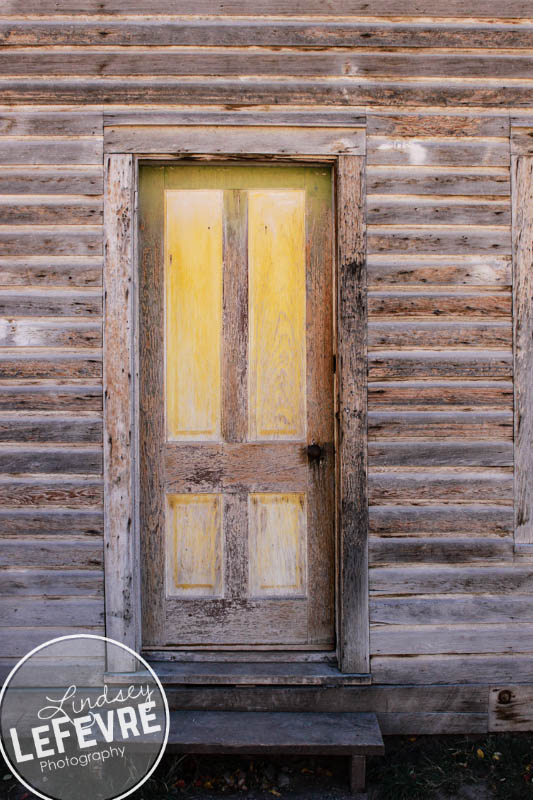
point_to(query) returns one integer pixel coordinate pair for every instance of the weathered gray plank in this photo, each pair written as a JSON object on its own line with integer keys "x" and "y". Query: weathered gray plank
{"x": 429, "y": 151}
{"x": 51, "y": 150}
{"x": 122, "y": 571}
{"x": 508, "y": 668}
{"x": 232, "y": 139}
{"x": 407, "y": 487}
{"x": 45, "y": 302}
{"x": 393, "y": 335}
{"x": 408, "y": 210}
{"x": 237, "y": 61}
{"x": 521, "y": 141}
{"x": 17, "y": 642}
{"x": 522, "y": 180}
{"x": 439, "y": 123}
{"x": 440, "y": 303}
{"x": 33, "y": 210}
{"x": 423, "y": 723}
{"x": 51, "y": 271}
{"x": 351, "y": 348}
{"x": 16, "y": 362}
{"x": 53, "y": 333}
{"x": 393, "y": 8}
{"x": 252, "y": 91}
{"x": 453, "y": 453}
{"x": 440, "y": 394}
{"x": 81, "y": 459}
{"x": 20, "y": 426}
{"x": 452, "y": 639}
{"x": 510, "y": 708}
{"x": 439, "y": 550}
{"x": 475, "y": 519}
{"x": 51, "y": 583}
{"x": 458, "y": 239}
{"x": 78, "y": 553}
{"x": 446, "y": 610}
{"x": 421, "y": 180}
{"x": 55, "y": 395}
{"x": 434, "y": 425}
{"x": 69, "y": 240}
{"x": 40, "y": 522}
{"x": 402, "y": 580}
{"x": 25, "y": 611}
{"x": 302, "y": 117}
{"x": 46, "y": 493}
{"x": 56, "y": 180}
{"x": 50, "y": 122}
{"x": 315, "y": 33}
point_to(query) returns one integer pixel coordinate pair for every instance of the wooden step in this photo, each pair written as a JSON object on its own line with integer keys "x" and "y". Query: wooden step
{"x": 318, "y": 733}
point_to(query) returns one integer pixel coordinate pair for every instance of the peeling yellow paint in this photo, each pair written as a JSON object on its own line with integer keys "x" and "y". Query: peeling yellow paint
{"x": 194, "y": 545}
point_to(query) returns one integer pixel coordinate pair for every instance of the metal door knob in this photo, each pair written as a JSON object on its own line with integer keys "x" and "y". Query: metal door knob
{"x": 315, "y": 452}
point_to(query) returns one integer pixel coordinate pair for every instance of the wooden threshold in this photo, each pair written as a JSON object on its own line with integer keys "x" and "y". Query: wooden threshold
{"x": 246, "y": 674}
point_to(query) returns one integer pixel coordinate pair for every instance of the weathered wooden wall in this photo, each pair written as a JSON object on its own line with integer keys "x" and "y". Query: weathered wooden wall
{"x": 450, "y": 602}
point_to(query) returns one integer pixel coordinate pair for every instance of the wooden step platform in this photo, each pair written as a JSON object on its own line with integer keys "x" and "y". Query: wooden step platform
{"x": 318, "y": 733}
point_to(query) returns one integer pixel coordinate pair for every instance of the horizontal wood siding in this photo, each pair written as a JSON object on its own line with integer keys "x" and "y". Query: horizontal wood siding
{"x": 51, "y": 578}
{"x": 443, "y": 587}
{"x": 436, "y": 86}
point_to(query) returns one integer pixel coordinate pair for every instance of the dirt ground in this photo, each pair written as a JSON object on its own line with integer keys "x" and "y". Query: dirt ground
{"x": 496, "y": 767}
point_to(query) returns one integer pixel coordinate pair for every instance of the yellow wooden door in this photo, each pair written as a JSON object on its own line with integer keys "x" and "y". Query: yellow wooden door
{"x": 236, "y": 406}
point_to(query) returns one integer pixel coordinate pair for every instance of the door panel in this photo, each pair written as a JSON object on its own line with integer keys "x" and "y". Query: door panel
{"x": 236, "y": 381}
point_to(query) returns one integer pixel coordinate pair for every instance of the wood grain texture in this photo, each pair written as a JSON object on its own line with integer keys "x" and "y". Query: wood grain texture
{"x": 36, "y": 210}
{"x": 439, "y": 180}
{"x": 45, "y": 493}
{"x": 47, "y": 362}
{"x": 437, "y": 123}
{"x": 446, "y": 669}
{"x": 440, "y": 550}
{"x": 389, "y": 209}
{"x": 313, "y": 33}
{"x": 440, "y": 394}
{"x": 49, "y": 302}
{"x": 45, "y": 522}
{"x": 508, "y": 580}
{"x": 51, "y": 150}
{"x": 46, "y": 583}
{"x": 51, "y": 458}
{"x": 459, "y": 486}
{"x": 452, "y": 240}
{"x": 385, "y": 8}
{"x": 352, "y": 458}
{"x": 121, "y": 558}
{"x": 23, "y": 179}
{"x": 60, "y": 240}
{"x": 443, "y": 609}
{"x": 451, "y": 639}
{"x": 521, "y": 140}
{"x": 51, "y": 395}
{"x": 420, "y": 335}
{"x": 440, "y": 425}
{"x": 232, "y": 139}
{"x": 510, "y": 708}
{"x": 20, "y": 426}
{"x": 51, "y": 271}
{"x": 383, "y": 93}
{"x": 436, "y": 151}
{"x": 439, "y": 302}
{"x": 437, "y": 519}
{"x": 50, "y": 333}
{"x": 457, "y": 452}
{"x": 522, "y": 178}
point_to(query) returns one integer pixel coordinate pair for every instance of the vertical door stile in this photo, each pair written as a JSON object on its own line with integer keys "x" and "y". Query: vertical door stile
{"x": 235, "y": 384}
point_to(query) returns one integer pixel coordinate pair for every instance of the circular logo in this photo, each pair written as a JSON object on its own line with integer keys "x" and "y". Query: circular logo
{"x": 83, "y": 718}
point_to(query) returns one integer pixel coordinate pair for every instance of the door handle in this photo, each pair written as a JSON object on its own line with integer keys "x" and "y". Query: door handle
{"x": 315, "y": 452}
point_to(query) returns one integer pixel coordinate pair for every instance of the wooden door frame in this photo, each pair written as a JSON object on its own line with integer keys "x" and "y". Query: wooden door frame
{"x": 290, "y": 137}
